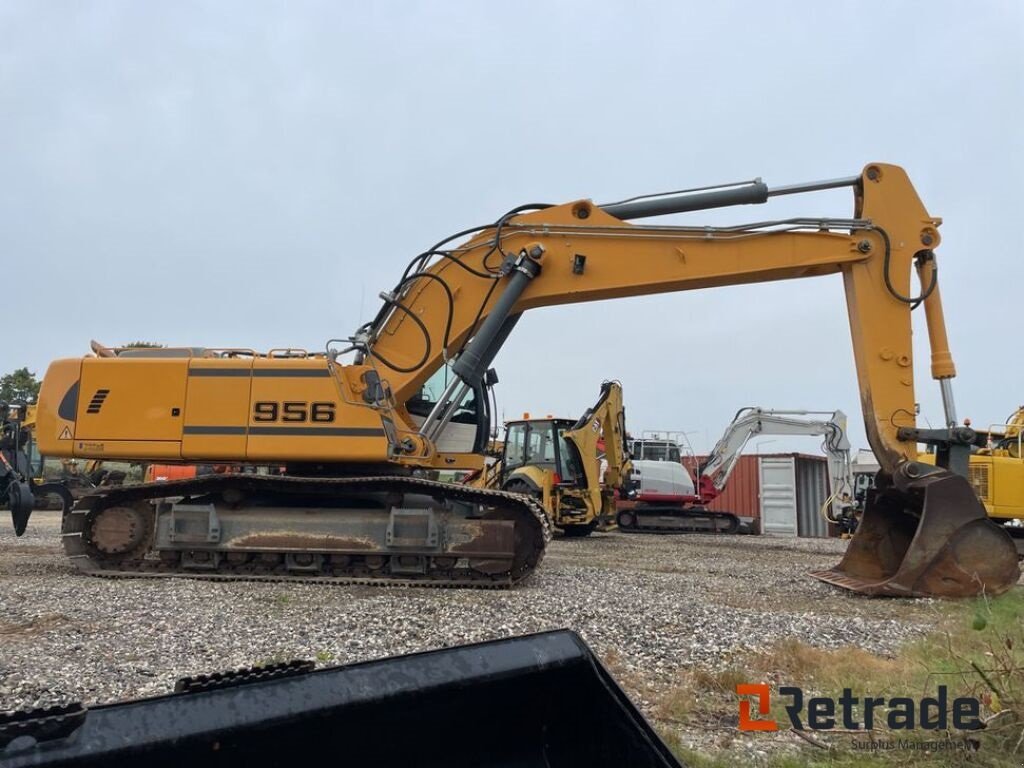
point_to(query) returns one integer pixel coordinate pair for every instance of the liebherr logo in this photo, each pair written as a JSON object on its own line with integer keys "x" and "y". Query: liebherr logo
{"x": 855, "y": 713}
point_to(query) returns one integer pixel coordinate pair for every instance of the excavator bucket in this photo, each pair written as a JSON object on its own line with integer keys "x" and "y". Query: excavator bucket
{"x": 539, "y": 700}
{"x": 926, "y": 537}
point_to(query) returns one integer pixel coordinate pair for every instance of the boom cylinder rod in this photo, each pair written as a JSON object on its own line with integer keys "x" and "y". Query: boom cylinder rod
{"x": 943, "y": 368}
{"x": 470, "y": 366}
{"x": 745, "y": 194}
{"x": 948, "y": 405}
{"x": 814, "y": 186}
{"x": 444, "y": 409}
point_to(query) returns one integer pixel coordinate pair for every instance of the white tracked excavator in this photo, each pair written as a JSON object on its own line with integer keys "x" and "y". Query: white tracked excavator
{"x": 668, "y": 500}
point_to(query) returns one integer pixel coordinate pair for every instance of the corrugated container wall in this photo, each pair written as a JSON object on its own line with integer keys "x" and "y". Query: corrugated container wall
{"x": 808, "y": 493}
{"x": 742, "y": 494}
{"x": 811, "y": 493}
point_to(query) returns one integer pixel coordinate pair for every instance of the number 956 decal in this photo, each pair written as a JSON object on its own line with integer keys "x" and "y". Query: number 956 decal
{"x": 294, "y": 411}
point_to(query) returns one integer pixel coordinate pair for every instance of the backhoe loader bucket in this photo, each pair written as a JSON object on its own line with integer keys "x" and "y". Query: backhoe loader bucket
{"x": 539, "y": 700}
{"x": 926, "y": 537}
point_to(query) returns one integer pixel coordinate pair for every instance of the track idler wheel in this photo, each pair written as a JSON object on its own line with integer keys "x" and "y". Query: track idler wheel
{"x": 21, "y": 502}
{"x": 926, "y": 536}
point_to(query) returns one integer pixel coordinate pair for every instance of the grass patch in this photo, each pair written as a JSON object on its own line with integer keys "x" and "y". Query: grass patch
{"x": 976, "y": 651}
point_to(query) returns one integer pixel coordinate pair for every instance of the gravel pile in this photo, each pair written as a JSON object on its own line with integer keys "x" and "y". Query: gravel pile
{"x": 650, "y": 603}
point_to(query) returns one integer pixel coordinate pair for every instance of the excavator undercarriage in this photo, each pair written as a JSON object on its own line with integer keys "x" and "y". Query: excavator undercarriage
{"x": 366, "y": 530}
{"x": 669, "y": 518}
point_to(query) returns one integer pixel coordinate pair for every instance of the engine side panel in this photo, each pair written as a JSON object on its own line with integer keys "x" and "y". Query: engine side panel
{"x": 205, "y": 409}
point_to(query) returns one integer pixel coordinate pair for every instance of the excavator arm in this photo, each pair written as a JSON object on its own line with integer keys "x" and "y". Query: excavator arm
{"x": 748, "y": 422}
{"x": 605, "y": 419}
{"x": 459, "y": 305}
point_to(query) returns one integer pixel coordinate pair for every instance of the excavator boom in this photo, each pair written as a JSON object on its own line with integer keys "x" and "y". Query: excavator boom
{"x": 387, "y": 410}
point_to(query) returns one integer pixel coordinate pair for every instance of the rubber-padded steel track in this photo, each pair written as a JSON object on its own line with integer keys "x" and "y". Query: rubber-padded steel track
{"x": 522, "y": 510}
{"x": 682, "y": 521}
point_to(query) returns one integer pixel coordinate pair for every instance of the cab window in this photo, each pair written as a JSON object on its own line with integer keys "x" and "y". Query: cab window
{"x": 567, "y": 468}
{"x": 515, "y": 446}
{"x": 541, "y": 445}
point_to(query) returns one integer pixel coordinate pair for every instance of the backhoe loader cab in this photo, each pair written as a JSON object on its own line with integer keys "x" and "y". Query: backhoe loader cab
{"x": 540, "y": 443}
{"x": 538, "y": 461}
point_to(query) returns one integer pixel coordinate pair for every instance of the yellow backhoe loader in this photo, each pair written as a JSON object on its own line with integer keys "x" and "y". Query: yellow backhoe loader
{"x": 412, "y": 396}
{"x": 557, "y": 462}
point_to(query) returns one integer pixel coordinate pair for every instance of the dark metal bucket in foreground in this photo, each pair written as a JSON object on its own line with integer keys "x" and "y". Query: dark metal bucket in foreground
{"x": 926, "y": 537}
{"x": 539, "y": 700}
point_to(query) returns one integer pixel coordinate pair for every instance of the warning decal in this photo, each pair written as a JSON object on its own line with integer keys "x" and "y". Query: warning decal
{"x": 66, "y": 434}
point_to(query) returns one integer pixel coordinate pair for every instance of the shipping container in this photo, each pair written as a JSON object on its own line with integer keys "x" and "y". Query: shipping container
{"x": 812, "y": 491}
{"x": 778, "y": 495}
{"x": 742, "y": 493}
{"x": 784, "y": 493}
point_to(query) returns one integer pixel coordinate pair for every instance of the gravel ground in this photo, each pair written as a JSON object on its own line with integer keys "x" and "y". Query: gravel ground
{"x": 650, "y": 603}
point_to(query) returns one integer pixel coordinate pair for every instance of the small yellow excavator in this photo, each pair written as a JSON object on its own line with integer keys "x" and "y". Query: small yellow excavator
{"x": 557, "y": 461}
{"x": 360, "y": 427}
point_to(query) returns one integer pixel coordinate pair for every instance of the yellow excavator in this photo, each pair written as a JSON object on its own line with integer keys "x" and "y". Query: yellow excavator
{"x": 996, "y": 472}
{"x": 358, "y": 426}
{"x": 557, "y": 462}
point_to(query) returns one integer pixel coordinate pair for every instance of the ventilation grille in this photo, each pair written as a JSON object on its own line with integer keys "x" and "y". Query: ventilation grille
{"x": 978, "y": 475}
{"x": 97, "y": 401}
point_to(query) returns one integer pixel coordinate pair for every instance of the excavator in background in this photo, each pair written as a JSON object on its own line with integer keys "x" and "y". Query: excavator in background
{"x": 996, "y": 472}
{"x": 556, "y": 461}
{"x": 357, "y": 427}
{"x": 658, "y": 506}
{"x": 22, "y": 489}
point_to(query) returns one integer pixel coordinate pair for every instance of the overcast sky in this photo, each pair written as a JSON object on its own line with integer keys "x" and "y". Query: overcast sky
{"x": 253, "y": 174}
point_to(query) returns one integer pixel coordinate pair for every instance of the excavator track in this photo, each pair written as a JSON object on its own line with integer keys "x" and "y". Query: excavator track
{"x": 379, "y": 531}
{"x": 653, "y": 519}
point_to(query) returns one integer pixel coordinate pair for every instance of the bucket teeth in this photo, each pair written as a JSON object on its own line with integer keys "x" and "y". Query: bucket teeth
{"x": 930, "y": 537}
